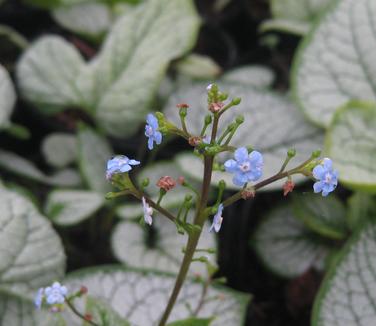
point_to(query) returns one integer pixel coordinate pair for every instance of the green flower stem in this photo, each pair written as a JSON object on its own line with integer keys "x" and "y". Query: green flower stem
{"x": 78, "y": 314}
{"x": 214, "y": 130}
{"x": 193, "y": 238}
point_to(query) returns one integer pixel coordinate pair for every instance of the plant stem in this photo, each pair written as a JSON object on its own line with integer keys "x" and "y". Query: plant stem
{"x": 78, "y": 314}
{"x": 193, "y": 237}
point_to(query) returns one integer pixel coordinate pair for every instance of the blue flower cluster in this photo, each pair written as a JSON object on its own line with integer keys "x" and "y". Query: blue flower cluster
{"x": 54, "y": 294}
{"x": 119, "y": 164}
{"x": 151, "y": 131}
{"x": 246, "y": 167}
{"x": 327, "y": 178}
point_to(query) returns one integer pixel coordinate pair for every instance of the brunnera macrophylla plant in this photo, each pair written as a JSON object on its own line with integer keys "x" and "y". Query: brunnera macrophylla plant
{"x": 246, "y": 167}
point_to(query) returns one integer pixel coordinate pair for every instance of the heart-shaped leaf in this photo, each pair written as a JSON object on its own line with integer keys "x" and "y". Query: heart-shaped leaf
{"x": 7, "y": 98}
{"x": 272, "y": 126}
{"x": 286, "y": 246}
{"x": 121, "y": 81}
{"x": 347, "y": 295}
{"x": 34, "y": 255}
{"x": 18, "y": 165}
{"x": 141, "y": 296}
{"x": 69, "y": 207}
{"x": 350, "y": 143}
{"x": 335, "y": 62}
{"x": 60, "y": 149}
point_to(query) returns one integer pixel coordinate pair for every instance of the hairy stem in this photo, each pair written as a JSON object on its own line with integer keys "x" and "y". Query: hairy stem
{"x": 192, "y": 239}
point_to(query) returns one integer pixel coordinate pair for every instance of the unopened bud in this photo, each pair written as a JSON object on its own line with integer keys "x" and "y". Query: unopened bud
{"x": 288, "y": 187}
{"x": 183, "y": 112}
{"x": 291, "y": 152}
{"x": 166, "y": 183}
{"x": 236, "y": 101}
{"x": 194, "y": 141}
{"x": 181, "y": 180}
{"x": 208, "y": 119}
{"x": 83, "y": 290}
{"x": 247, "y": 193}
{"x": 88, "y": 317}
{"x": 145, "y": 182}
{"x": 239, "y": 119}
{"x": 215, "y": 106}
{"x": 182, "y": 105}
{"x": 316, "y": 153}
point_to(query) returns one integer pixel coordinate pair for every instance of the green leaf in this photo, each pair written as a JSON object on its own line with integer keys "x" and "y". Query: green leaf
{"x": 103, "y": 314}
{"x": 192, "y": 322}
{"x": 141, "y": 296}
{"x": 20, "y": 166}
{"x": 34, "y": 255}
{"x": 47, "y": 74}
{"x": 159, "y": 247}
{"x": 285, "y": 25}
{"x": 7, "y": 98}
{"x": 286, "y": 246}
{"x": 334, "y": 63}
{"x": 346, "y": 296}
{"x": 198, "y": 66}
{"x": 325, "y": 216}
{"x": 94, "y": 151}
{"x": 272, "y": 126}
{"x": 90, "y": 19}
{"x": 69, "y": 207}
{"x": 17, "y": 310}
{"x": 60, "y": 149}
{"x": 350, "y": 143}
{"x": 361, "y": 206}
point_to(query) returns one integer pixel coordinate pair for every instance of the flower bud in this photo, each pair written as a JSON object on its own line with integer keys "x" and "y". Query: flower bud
{"x": 248, "y": 193}
{"x": 291, "y": 152}
{"x": 236, "y": 101}
{"x": 83, "y": 290}
{"x": 166, "y": 183}
{"x": 182, "y": 105}
{"x": 288, "y": 187}
{"x": 239, "y": 119}
{"x": 316, "y": 153}
{"x": 194, "y": 141}
{"x": 208, "y": 119}
{"x": 215, "y": 107}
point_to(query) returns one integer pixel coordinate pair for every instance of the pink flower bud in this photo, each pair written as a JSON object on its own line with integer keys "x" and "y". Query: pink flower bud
{"x": 215, "y": 107}
{"x": 288, "y": 187}
{"x": 166, "y": 183}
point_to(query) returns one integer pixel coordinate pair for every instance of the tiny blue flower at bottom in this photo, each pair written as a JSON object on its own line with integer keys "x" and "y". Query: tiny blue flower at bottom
{"x": 55, "y": 293}
{"x": 327, "y": 178}
{"x": 39, "y": 298}
{"x": 217, "y": 221}
{"x": 119, "y": 164}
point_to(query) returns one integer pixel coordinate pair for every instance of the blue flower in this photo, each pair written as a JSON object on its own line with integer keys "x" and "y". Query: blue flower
{"x": 119, "y": 164}
{"x": 217, "y": 221}
{"x": 151, "y": 131}
{"x": 39, "y": 298}
{"x": 148, "y": 211}
{"x": 246, "y": 167}
{"x": 55, "y": 293}
{"x": 327, "y": 178}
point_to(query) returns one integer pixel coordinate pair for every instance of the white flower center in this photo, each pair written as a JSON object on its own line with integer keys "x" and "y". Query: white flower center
{"x": 245, "y": 166}
{"x": 328, "y": 178}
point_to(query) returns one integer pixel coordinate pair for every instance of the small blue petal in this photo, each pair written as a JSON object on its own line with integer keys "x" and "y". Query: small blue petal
{"x": 152, "y": 121}
{"x": 125, "y": 168}
{"x": 317, "y": 186}
{"x": 158, "y": 137}
{"x": 239, "y": 179}
{"x": 256, "y": 157}
{"x": 231, "y": 166}
{"x": 134, "y": 162}
{"x": 241, "y": 154}
{"x": 319, "y": 172}
{"x": 150, "y": 143}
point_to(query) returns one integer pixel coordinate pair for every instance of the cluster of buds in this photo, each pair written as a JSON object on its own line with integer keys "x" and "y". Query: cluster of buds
{"x": 166, "y": 183}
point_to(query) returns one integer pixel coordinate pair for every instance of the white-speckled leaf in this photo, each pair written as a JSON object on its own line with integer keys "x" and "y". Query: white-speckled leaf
{"x": 60, "y": 149}
{"x": 252, "y": 76}
{"x": 31, "y": 252}
{"x": 134, "y": 58}
{"x": 347, "y": 296}
{"x": 286, "y": 246}
{"x": 295, "y": 27}
{"x": 47, "y": 73}
{"x": 336, "y": 61}
{"x": 91, "y": 19}
{"x": 18, "y": 165}
{"x": 272, "y": 126}
{"x": 94, "y": 151}
{"x": 15, "y": 310}
{"x": 351, "y": 144}
{"x": 7, "y": 98}
{"x": 134, "y": 245}
{"x": 141, "y": 296}
{"x": 69, "y": 207}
